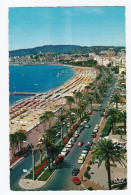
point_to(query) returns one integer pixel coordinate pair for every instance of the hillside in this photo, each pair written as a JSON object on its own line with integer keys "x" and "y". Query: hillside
{"x": 43, "y": 49}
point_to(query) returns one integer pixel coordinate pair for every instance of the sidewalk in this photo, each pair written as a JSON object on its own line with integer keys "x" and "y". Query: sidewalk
{"x": 88, "y": 182}
{"x": 29, "y": 184}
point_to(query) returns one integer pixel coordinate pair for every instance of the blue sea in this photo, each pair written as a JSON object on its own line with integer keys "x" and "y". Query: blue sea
{"x": 36, "y": 78}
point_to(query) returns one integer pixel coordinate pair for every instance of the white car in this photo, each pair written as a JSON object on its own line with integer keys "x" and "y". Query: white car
{"x": 84, "y": 153}
{"x": 64, "y": 152}
{"x": 85, "y": 121}
{"x": 69, "y": 145}
{"x": 81, "y": 160}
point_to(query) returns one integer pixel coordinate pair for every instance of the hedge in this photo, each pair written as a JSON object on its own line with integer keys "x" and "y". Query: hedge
{"x": 107, "y": 128}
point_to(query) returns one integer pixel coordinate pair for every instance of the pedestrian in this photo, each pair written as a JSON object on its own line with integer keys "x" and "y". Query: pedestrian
{"x": 81, "y": 178}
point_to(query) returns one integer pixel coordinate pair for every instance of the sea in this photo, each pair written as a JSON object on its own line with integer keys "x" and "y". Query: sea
{"x": 36, "y": 78}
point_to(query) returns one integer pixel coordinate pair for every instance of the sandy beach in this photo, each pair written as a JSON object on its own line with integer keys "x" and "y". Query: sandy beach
{"x": 25, "y": 114}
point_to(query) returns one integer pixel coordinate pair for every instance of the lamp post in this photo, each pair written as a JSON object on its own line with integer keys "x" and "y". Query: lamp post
{"x": 33, "y": 163}
{"x": 33, "y": 159}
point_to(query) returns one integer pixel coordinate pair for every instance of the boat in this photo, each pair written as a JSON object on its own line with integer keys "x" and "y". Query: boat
{"x": 58, "y": 74}
{"x": 35, "y": 84}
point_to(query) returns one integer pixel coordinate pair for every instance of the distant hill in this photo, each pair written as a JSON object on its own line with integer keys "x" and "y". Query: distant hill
{"x": 61, "y": 49}
{"x": 43, "y": 49}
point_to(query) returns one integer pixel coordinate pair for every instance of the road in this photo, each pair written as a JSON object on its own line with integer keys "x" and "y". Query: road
{"x": 62, "y": 179}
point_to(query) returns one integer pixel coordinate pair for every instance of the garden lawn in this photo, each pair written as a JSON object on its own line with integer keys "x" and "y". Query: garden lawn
{"x": 45, "y": 176}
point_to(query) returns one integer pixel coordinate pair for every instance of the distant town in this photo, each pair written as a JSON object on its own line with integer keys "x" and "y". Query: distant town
{"x": 107, "y": 56}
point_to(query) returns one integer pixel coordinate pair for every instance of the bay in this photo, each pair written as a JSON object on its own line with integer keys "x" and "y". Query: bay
{"x": 36, "y": 78}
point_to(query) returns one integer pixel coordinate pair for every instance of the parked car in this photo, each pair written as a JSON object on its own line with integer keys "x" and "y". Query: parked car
{"x": 80, "y": 143}
{"x": 90, "y": 142}
{"x": 81, "y": 160}
{"x": 85, "y": 121}
{"x": 75, "y": 171}
{"x": 87, "y": 125}
{"x": 73, "y": 139}
{"x": 79, "y": 130}
{"x": 102, "y": 114}
{"x": 93, "y": 135}
{"x": 76, "y": 180}
{"x": 65, "y": 151}
{"x": 69, "y": 145}
{"x": 87, "y": 147}
{"x": 58, "y": 160}
{"x": 76, "y": 135}
{"x": 84, "y": 153}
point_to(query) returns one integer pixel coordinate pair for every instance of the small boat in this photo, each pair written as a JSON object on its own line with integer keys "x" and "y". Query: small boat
{"x": 35, "y": 84}
{"x": 58, "y": 74}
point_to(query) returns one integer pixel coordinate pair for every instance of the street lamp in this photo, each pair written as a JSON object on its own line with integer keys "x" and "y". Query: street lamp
{"x": 33, "y": 159}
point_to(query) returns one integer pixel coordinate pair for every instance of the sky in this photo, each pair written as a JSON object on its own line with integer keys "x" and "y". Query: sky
{"x": 84, "y": 26}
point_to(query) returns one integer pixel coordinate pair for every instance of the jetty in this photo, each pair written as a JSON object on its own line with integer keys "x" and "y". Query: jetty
{"x": 26, "y": 93}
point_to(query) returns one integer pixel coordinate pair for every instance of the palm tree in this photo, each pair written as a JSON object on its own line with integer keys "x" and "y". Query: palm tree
{"x": 61, "y": 118}
{"x": 69, "y": 101}
{"x": 70, "y": 116}
{"x": 40, "y": 147}
{"x": 86, "y": 98}
{"x": 106, "y": 151}
{"x": 122, "y": 118}
{"x": 12, "y": 143}
{"x": 87, "y": 88}
{"x": 44, "y": 118}
{"x": 91, "y": 99}
{"x": 115, "y": 99}
{"x": 113, "y": 115}
{"x": 22, "y": 136}
{"x": 48, "y": 141}
{"x": 78, "y": 96}
{"x": 49, "y": 115}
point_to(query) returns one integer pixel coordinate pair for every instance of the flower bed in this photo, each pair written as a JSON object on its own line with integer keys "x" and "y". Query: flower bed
{"x": 17, "y": 157}
{"x": 64, "y": 141}
{"x": 90, "y": 113}
{"x": 40, "y": 169}
{"x": 75, "y": 126}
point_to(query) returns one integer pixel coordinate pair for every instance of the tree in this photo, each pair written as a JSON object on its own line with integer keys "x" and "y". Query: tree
{"x": 78, "y": 96}
{"x": 115, "y": 99}
{"x": 106, "y": 151}
{"x": 49, "y": 115}
{"x": 91, "y": 100}
{"x": 113, "y": 114}
{"x": 87, "y": 88}
{"x": 61, "y": 118}
{"x": 69, "y": 101}
{"x": 44, "y": 118}
{"x": 86, "y": 98}
{"x": 22, "y": 136}
{"x": 12, "y": 143}
{"x": 48, "y": 141}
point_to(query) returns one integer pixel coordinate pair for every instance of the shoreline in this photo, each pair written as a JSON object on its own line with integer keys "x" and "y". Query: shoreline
{"x": 42, "y": 64}
{"x": 25, "y": 114}
{"x": 49, "y": 91}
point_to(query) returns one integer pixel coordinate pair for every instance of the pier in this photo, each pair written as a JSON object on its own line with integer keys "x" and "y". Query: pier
{"x": 25, "y": 93}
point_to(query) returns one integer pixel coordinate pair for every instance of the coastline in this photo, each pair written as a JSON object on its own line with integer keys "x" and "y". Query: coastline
{"x": 47, "y": 91}
{"x": 25, "y": 114}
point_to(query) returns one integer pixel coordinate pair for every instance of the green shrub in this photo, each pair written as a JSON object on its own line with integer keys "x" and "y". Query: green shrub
{"x": 87, "y": 175}
{"x": 88, "y": 168}
{"x": 90, "y": 188}
{"x": 107, "y": 128}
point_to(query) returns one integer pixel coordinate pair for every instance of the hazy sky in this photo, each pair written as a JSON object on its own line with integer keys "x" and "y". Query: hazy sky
{"x": 85, "y": 26}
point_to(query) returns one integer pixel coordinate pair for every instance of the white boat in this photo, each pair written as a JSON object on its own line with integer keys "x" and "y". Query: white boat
{"x": 58, "y": 74}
